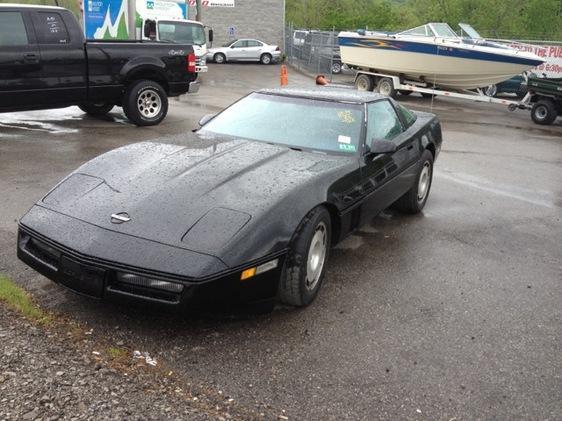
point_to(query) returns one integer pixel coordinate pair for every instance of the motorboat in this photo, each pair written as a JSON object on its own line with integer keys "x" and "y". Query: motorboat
{"x": 434, "y": 54}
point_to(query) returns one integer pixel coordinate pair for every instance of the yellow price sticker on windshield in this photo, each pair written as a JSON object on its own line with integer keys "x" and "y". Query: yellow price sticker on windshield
{"x": 346, "y": 116}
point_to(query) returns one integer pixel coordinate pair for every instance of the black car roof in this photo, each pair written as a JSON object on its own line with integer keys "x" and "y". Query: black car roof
{"x": 336, "y": 94}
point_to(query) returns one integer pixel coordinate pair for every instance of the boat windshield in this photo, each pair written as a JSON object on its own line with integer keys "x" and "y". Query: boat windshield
{"x": 441, "y": 30}
{"x": 469, "y": 31}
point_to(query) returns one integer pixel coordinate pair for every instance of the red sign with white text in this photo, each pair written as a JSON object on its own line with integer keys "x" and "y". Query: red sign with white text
{"x": 552, "y": 55}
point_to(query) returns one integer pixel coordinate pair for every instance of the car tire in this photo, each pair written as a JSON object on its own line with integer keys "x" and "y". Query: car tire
{"x": 306, "y": 260}
{"x": 336, "y": 67}
{"x": 491, "y": 91}
{"x": 145, "y": 103}
{"x": 364, "y": 83}
{"x": 219, "y": 58}
{"x": 544, "y": 112}
{"x": 414, "y": 199}
{"x": 96, "y": 109}
{"x": 386, "y": 87}
{"x": 266, "y": 59}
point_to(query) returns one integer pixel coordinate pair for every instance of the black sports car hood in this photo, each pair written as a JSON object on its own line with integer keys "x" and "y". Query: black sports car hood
{"x": 207, "y": 198}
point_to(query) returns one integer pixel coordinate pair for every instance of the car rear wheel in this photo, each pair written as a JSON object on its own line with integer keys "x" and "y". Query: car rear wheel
{"x": 145, "y": 103}
{"x": 336, "y": 67}
{"x": 265, "y": 58}
{"x": 219, "y": 58}
{"x": 544, "y": 112}
{"x": 364, "y": 83}
{"x": 414, "y": 199}
{"x": 306, "y": 261}
{"x": 96, "y": 109}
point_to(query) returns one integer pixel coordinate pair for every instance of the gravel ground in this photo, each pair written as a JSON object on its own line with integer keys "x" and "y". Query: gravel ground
{"x": 55, "y": 373}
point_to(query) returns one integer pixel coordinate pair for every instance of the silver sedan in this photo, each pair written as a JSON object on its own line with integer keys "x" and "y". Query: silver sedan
{"x": 245, "y": 50}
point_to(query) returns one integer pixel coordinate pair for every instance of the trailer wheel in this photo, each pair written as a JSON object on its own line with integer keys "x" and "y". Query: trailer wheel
{"x": 386, "y": 87}
{"x": 544, "y": 112}
{"x": 426, "y": 95}
{"x": 364, "y": 83}
{"x": 145, "y": 103}
{"x": 406, "y": 93}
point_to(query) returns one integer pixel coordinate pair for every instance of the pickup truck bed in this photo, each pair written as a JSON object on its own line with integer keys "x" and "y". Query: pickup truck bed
{"x": 45, "y": 62}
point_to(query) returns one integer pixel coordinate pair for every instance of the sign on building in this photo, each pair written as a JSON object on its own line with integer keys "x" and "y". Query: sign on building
{"x": 551, "y": 54}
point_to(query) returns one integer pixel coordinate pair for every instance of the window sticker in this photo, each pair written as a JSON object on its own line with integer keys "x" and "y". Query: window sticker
{"x": 347, "y": 148}
{"x": 346, "y": 116}
{"x": 344, "y": 139}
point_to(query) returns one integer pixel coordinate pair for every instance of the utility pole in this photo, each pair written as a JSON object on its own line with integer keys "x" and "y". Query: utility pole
{"x": 131, "y": 21}
{"x": 198, "y": 16}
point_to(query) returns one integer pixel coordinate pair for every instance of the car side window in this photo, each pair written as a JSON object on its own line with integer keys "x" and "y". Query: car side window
{"x": 240, "y": 44}
{"x": 12, "y": 29}
{"x": 51, "y": 28}
{"x": 253, "y": 43}
{"x": 408, "y": 117}
{"x": 382, "y": 121}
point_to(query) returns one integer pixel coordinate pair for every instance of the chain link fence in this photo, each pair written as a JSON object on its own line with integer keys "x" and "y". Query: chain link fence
{"x": 315, "y": 52}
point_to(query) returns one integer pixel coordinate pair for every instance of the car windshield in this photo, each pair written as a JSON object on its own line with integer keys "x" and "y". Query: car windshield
{"x": 300, "y": 123}
{"x": 182, "y": 32}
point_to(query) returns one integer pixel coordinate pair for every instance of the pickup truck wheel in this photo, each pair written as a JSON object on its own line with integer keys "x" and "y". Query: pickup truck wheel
{"x": 145, "y": 103}
{"x": 544, "y": 112}
{"x": 219, "y": 58}
{"x": 414, "y": 199}
{"x": 265, "y": 58}
{"x": 336, "y": 67}
{"x": 305, "y": 265}
{"x": 96, "y": 109}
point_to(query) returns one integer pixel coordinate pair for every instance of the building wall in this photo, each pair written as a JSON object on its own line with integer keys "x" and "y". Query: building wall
{"x": 261, "y": 19}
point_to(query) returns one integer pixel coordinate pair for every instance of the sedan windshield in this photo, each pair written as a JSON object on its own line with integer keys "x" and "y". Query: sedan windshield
{"x": 295, "y": 122}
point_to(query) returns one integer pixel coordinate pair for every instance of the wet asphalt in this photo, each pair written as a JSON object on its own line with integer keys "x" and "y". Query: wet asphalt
{"x": 452, "y": 314}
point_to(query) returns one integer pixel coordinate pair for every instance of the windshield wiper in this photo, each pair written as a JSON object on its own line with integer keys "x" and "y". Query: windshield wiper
{"x": 295, "y": 148}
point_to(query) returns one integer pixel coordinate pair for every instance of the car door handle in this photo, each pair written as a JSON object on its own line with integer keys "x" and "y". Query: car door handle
{"x": 30, "y": 58}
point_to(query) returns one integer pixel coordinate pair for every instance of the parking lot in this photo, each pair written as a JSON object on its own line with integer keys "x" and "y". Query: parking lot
{"x": 452, "y": 314}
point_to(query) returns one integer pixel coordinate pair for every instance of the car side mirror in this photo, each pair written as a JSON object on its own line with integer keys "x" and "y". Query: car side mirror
{"x": 211, "y": 35}
{"x": 205, "y": 119}
{"x": 149, "y": 28}
{"x": 380, "y": 147}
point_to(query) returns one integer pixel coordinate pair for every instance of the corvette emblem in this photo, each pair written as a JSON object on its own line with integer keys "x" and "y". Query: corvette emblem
{"x": 119, "y": 218}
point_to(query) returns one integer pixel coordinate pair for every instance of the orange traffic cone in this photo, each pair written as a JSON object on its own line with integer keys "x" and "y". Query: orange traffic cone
{"x": 284, "y": 75}
{"x": 321, "y": 80}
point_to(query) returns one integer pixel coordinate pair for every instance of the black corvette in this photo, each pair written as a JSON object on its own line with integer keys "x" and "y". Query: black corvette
{"x": 245, "y": 208}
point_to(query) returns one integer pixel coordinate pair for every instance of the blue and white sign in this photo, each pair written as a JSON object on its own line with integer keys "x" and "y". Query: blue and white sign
{"x": 231, "y": 31}
{"x": 106, "y": 19}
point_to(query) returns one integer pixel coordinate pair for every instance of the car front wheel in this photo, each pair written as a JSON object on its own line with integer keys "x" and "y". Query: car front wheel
{"x": 306, "y": 261}
{"x": 414, "y": 199}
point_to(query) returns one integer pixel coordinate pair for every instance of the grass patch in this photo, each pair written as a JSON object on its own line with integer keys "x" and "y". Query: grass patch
{"x": 19, "y": 299}
{"x": 117, "y": 353}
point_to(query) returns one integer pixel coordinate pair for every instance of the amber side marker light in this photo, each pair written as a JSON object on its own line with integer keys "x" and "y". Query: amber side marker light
{"x": 257, "y": 270}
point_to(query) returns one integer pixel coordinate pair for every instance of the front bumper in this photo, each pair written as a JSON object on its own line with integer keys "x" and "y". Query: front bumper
{"x": 103, "y": 279}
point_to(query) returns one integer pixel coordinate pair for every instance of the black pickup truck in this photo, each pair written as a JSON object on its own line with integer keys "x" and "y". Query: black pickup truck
{"x": 45, "y": 62}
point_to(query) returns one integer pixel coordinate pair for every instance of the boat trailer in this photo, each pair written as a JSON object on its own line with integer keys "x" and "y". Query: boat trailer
{"x": 390, "y": 85}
